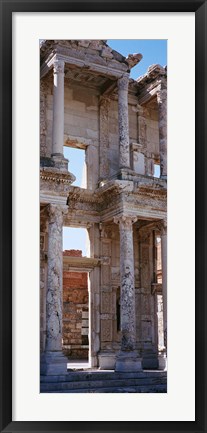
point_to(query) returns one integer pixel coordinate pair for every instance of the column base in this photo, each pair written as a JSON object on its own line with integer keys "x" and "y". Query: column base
{"x": 128, "y": 362}
{"x": 162, "y": 358}
{"x": 53, "y": 363}
{"x": 106, "y": 360}
{"x": 149, "y": 357}
{"x": 59, "y": 161}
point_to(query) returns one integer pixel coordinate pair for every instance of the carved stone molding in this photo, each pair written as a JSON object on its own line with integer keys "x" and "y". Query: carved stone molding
{"x": 123, "y": 82}
{"x": 58, "y": 67}
{"x": 164, "y": 228}
{"x": 53, "y": 179}
{"x": 125, "y": 222}
{"x": 56, "y": 213}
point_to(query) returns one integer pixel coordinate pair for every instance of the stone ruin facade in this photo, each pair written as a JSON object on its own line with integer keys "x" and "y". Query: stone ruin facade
{"x": 88, "y": 101}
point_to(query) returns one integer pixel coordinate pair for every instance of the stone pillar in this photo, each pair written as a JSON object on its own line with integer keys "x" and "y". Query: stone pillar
{"x": 164, "y": 278}
{"x": 94, "y": 308}
{"x": 127, "y": 359}
{"x": 104, "y": 138}
{"x": 162, "y": 112}
{"x": 124, "y": 154}
{"x": 53, "y": 361}
{"x": 58, "y": 115}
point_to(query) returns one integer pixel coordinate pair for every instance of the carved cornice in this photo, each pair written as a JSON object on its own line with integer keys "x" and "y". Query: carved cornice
{"x": 114, "y": 193}
{"x": 94, "y": 55}
{"x": 56, "y": 176}
{"x": 151, "y": 192}
{"x": 154, "y": 81}
{"x": 153, "y": 72}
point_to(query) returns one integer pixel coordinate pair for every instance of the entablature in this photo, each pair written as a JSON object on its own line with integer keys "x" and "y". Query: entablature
{"x": 151, "y": 83}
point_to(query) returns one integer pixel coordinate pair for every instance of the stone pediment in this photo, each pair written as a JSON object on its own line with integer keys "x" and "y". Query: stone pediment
{"x": 88, "y": 52}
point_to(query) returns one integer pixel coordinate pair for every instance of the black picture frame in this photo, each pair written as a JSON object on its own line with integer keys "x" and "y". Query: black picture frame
{"x": 7, "y": 8}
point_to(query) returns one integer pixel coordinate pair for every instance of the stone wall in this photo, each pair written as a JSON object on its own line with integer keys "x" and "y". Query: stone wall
{"x": 82, "y": 127}
{"x": 75, "y": 311}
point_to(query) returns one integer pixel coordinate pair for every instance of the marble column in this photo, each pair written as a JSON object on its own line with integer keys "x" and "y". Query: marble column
{"x": 124, "y": 154}
{"x": 58, "y": 115}
{"x": 127, "y": 359}
{"x": 54, "y": 361}
{"x": 162, "y": 112}
{"x": 104, "y": 138}
{"x": 164, "y": 278}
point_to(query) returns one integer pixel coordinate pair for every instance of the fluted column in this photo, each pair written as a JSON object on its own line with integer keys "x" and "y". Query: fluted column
{"x": 127, "y": 359}
{"x": 54, "y": 361}
{"x": 124, "y": 155}
{"x": 162, "y": 112}
{"x": 164, "y": 278}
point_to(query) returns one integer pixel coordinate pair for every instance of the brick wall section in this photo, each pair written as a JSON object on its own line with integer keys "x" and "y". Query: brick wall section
{"x": 75, "y": 311}
{"x": 72, "y": 253}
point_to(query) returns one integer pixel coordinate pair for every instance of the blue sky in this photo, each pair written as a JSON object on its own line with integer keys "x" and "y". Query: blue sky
{"x": 153, "y": 51}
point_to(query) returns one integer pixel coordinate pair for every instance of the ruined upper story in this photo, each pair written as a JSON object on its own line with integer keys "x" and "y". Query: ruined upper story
{"x": 105, "y": 112}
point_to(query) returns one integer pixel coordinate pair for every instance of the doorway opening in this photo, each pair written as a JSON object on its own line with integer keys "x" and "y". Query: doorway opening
{"x": 75, "y": 333}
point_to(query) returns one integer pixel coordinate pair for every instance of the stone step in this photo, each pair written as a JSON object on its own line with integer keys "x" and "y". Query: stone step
{"x": 124, "y": 389}
{"x": 99, "y": 383}
{"x": 100, "y": 375}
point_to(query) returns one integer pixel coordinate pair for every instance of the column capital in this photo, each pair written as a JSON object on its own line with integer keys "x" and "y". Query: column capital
{"x": 58, "y": 66}
{"x": 161, "y": 96}
{"x": 57, "y": 212}
{"x": 125, "y": 221}
{"x": 123, "y": 82}
{"x": 164, "y": 227}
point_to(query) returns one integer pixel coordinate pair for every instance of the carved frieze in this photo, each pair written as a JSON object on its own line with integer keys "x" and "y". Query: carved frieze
{"x": 52, "y": 179}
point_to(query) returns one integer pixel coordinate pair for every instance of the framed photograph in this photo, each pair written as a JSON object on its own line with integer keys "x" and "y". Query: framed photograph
{"x": 103, "y": 207}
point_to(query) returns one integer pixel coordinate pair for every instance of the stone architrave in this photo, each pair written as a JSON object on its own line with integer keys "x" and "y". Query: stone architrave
{"x": 53, "y": 361}
{"x": 164, "y": 277}
{"x": 124, "y": 153}
{"x": 127, "y": 359}
{"x": 104, "y": 138}
{"x": 162, "y": 110}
